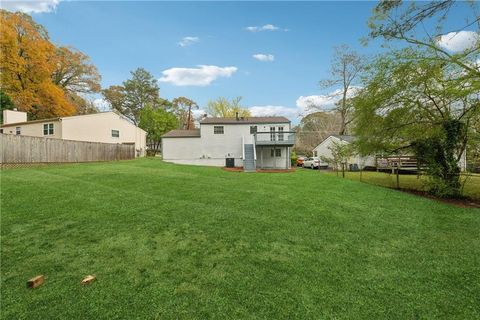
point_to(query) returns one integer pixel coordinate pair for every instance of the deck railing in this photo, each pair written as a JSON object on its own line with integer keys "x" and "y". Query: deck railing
{"x": 275, "y": 138}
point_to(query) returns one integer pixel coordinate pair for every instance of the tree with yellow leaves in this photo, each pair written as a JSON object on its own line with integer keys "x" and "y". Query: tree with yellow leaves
{"x": 43, "y": 80}
{"x": 222, "y": 107}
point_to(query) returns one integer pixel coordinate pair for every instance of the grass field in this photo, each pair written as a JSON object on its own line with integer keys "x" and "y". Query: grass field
{"x": 180, "y": 242}
{"x": 470, "y": 182}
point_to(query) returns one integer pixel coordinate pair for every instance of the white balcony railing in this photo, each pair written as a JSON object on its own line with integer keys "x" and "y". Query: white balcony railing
{"x": 286, "y": 138}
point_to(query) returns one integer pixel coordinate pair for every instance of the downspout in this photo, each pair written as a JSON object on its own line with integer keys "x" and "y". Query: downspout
{"x": 243, "y": 148}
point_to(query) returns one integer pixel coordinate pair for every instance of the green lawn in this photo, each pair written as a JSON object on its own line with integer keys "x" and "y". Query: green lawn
{"x": 470, "y": 182}
{"x": 181, "y": 242}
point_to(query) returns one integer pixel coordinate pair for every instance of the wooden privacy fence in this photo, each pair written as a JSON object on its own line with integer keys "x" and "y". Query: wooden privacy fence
{"x": 17, "y": 149}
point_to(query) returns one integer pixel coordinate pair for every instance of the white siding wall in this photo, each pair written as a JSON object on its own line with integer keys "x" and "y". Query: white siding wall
{"x": 212, "y": 149}
{"x": 98, "y": 128}
{"x": 35, "y": 129}
{"x": 276, "y": 162}
{"x": 322, "y": 150}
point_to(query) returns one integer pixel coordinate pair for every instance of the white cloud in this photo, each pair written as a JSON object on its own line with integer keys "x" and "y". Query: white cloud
{"x": 458, "y": 41}
{"x": 267, "y": 27}
{"x": 102, "y": 104}
{"x": 187, "y": 41}
{"x": 264, "y": 57}
{"x": 304, "y": 105}
{"x": 309, "y": 104}
{"x": 198, "y": 113}
{"x": 36, "y": 6}
{"x": 268, "y": 111}
{"x": 201, "y": 76}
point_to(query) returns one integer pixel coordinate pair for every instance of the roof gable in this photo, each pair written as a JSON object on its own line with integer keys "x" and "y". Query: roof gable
{"x": 344, "y": 138}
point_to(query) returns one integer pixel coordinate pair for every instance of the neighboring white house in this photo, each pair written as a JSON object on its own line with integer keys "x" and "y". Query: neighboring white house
{"x": 107, "y": 127}
{"x": 253, "y": 142}
{"x": 323, "y": 150}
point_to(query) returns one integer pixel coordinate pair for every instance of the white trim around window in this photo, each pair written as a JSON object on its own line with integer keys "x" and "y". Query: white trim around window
{"x": 48, "y": 129}
{"x": 218, "y": 130}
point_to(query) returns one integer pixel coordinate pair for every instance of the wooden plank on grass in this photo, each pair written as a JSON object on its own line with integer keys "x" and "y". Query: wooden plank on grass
{"x": 88, "y": 279}
{"x": 35, "y": 282}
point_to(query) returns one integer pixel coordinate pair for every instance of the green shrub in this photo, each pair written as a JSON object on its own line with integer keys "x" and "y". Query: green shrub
{"x": 293, "y": 158}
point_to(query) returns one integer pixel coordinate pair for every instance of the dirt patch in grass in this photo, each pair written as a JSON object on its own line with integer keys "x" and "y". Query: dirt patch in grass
{"x": 460, "y": 202}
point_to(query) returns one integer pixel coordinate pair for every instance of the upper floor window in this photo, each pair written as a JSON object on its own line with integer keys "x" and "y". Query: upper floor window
{"x": 18, "y": 130}
{"x": 272, "y": 134}
{"x": 115, "y": 134}
{"x": 217, "y": 129}
{"x": 253, "y": 129}
{"x": 48, "y": 129}
{"x": 280, "y": 133}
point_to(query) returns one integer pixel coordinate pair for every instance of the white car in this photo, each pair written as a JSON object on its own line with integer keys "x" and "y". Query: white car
{"x": 312, "y": 163}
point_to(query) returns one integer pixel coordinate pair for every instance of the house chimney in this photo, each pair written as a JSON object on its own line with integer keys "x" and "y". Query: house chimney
{"x": 11, "y": 116}
{"x": 236, "y": 116}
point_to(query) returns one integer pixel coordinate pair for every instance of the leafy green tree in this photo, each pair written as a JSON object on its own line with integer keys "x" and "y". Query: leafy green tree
{"x": 156, "y": 122}
{"x": 413, "y": 102}
{"x": 134, "y": 94}
{"x": 222, "y": 107}
{"x": 473, "y": 145}
{"x": 422, "y": 23}
{"x": 5, "y": 104}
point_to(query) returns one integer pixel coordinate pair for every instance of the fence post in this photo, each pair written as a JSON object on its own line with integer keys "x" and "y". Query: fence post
{"x": 398, "y": 173}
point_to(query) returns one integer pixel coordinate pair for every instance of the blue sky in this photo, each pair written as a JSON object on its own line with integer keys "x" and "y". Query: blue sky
{"x": 293, "y": 40}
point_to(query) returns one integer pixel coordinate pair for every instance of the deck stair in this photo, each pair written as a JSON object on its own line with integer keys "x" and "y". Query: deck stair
{"x": 249, "y": 164}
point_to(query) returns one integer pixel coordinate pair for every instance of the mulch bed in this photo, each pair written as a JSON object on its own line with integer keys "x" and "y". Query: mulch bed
{"x": 461, "y": 203}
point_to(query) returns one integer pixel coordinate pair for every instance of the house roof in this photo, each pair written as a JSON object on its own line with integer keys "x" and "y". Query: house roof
{"x": 195, "y": 133}
{"x": 68, "y": 117}
{"x": 28, "y": 122}
{"x": 59, "y": 118}
{"x": 243, "y": 120}
{"x": 346, "y": 138}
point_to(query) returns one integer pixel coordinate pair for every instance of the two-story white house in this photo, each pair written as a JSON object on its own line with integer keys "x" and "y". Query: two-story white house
{"x": 248, "y": 142}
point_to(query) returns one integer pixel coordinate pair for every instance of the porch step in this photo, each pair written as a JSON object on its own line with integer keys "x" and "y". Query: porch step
{"x": 249, "y": 162}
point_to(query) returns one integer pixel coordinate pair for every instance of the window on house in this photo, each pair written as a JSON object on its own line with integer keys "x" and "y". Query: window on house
{"x": 48, "y": 129}
{"x": 115, "y": 134}
{"x": 280, "y": 133}
{"x": 277, "y": 152}
{"x": 253, "y": 129}
{"x": 217, "y": 129}
{"x": 272, "y": 133}
{"x": 18, "y": 130}
{"x": 1, "y": 130}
